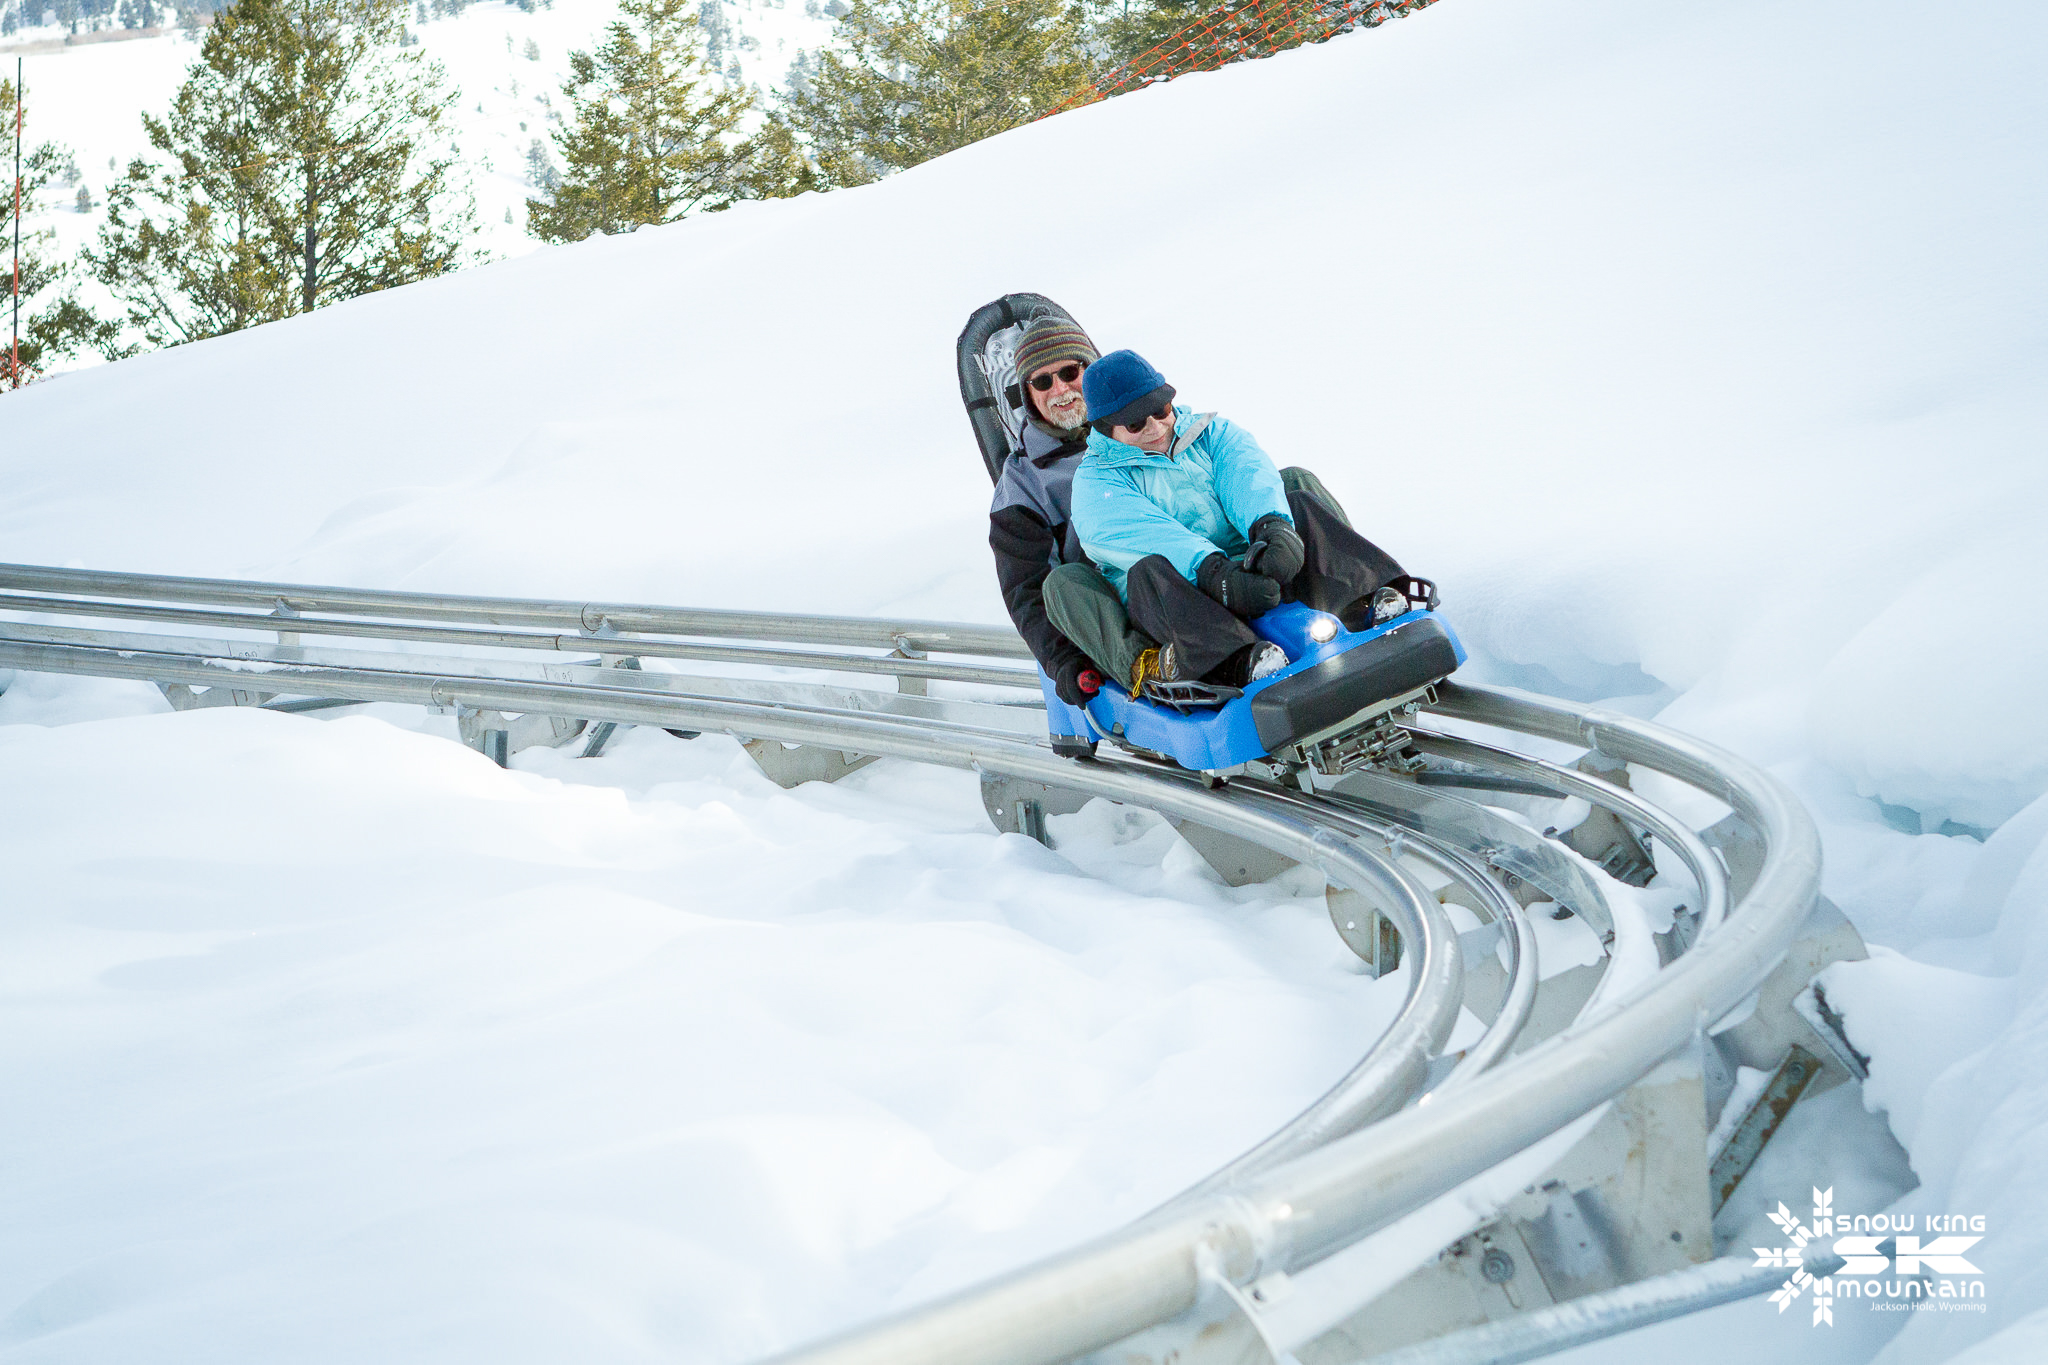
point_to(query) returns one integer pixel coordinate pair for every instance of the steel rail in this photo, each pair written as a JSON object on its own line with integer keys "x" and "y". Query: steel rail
{"x": 1393, "y": 1069}
{"x": 1390, "y": 1073}
{"x": 1707, "y": 872}
{"x": 639, "y": 646}
{"x": 1295, "y": 1215}
{"x": 1518, "y": 1000}
{"x": 1370, "y": 1091}
{"x": 1498, "y": 842}
{"x": 1524, "y": 975}
{"x": 1385, "y": 1077}
{"x": 300, "y": 665}
{"x": 944, "y": 637}
{"x": 1379, "y": 1083}
{"x": 1575, "y": 1322}
{"x": 1282, "y": 1218}
{"x": 615, "y": 694}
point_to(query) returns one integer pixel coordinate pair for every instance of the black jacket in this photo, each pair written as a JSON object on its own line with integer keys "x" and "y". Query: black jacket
{"x": 1030, "y": 528}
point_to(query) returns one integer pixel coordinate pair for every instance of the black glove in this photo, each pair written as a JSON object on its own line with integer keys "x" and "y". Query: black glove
{"x": 1245, "y": 594}
{"x": 1076, "y": 683}
{"x": 1276, "y": 552}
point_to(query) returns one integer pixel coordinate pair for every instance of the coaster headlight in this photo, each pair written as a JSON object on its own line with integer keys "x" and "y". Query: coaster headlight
{"x": 1323, "y": 629}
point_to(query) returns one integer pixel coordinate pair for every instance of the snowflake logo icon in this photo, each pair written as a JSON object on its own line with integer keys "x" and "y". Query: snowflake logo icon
{"x": 1792, "y": 1256}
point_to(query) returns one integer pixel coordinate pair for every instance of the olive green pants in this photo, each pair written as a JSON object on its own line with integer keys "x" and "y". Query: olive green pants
{"x": 1083, "y": 607}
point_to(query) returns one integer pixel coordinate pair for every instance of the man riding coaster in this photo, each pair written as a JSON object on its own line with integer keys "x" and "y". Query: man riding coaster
{"x": 1072, "y": 619}
{"x": 1044, "y": 575}
{"x": 1189, "y": 520}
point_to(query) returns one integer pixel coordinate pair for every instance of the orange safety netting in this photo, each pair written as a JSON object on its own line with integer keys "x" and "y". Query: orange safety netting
{"x": 1238, "y": 31}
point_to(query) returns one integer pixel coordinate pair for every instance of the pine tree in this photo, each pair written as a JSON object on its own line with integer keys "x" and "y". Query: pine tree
{"x": 540, "y": 168}
{"x": 54, "y": 324}
{"x": 307, "y": 164}
{"x": 652, "y": 133}
{"x": 1123, "y": 29}
{"x": 908, "y": 80}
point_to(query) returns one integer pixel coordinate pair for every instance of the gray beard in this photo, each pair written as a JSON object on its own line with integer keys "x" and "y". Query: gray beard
{"x": 1071, "y": 418}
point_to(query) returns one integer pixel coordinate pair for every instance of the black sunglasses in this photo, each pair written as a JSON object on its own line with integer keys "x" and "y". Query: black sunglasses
{"x": 1164, "y": 414}
{"x": 1067, "y": 374}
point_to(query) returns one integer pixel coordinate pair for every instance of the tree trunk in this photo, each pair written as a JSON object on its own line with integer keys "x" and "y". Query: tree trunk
{"x": 312, "y": 236}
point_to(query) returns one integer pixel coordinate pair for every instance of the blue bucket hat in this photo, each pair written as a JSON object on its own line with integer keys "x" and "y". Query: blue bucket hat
{"x": 1122, "y": 386}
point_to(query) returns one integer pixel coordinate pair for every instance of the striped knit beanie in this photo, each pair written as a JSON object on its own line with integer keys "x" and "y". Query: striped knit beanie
{"x": 1049, "y": 339}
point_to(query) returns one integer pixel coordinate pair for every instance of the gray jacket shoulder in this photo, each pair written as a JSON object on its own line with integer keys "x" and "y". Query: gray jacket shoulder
{"x": 1046, "y": 491}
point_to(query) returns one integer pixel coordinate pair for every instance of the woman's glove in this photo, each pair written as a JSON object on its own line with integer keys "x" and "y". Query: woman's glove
{"x": 1245, "y": 594}
{"x": 1277, "y": 551}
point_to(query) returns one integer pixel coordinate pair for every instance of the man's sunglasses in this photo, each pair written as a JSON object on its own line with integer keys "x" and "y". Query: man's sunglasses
{"x": 1066, "y": 374}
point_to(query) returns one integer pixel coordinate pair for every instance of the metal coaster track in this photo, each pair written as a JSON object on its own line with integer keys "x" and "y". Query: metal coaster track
{"x": 1197, "y": 1279}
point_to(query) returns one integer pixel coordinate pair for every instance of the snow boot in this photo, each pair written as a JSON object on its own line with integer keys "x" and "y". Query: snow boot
{"x": 1156, "y": 663}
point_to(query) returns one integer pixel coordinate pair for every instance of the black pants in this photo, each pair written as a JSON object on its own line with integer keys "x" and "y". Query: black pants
{"x": 1342, "y": 565}
{"x": 1340, "y": 568}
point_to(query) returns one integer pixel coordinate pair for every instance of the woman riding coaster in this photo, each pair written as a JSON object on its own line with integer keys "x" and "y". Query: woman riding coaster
{"x": 1189, "y": 519}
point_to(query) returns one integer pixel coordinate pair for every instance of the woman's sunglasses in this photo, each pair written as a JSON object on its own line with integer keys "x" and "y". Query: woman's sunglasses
{"x": 1164, "y": 414}
{"x": 1066, "y": 374}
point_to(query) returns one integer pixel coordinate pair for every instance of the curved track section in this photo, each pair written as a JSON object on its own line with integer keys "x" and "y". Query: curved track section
{"x": 1407, "y": 1124}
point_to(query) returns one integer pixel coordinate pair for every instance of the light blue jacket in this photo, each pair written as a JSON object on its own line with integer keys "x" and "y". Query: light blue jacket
{"x": 1204, "y": 497}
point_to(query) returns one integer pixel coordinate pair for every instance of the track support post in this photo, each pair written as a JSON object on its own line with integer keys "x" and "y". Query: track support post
{"x": 487, "y": 732}
{"x": 1018, "y": 806}
{"x": 1365, "y": 930}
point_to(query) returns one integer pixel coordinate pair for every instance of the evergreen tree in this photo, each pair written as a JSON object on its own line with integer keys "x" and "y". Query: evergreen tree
{"x": 652, "y": 133}
{"x": 54, "y": 324}
{"x": 1123, "y": 29}
{"x": 540, "y": 168}
{"x": 908, "y": 80}
{"x": 307, "y": 164}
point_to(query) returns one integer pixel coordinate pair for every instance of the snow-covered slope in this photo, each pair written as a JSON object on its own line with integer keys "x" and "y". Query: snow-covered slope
{"x": 1694, "y": 349}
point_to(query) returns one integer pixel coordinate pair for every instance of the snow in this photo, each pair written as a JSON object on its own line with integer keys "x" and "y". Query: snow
{"x": 1694, "y": 350}
{"x": 1959, "y": 1057}
{"x": 374, "y": 1048}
